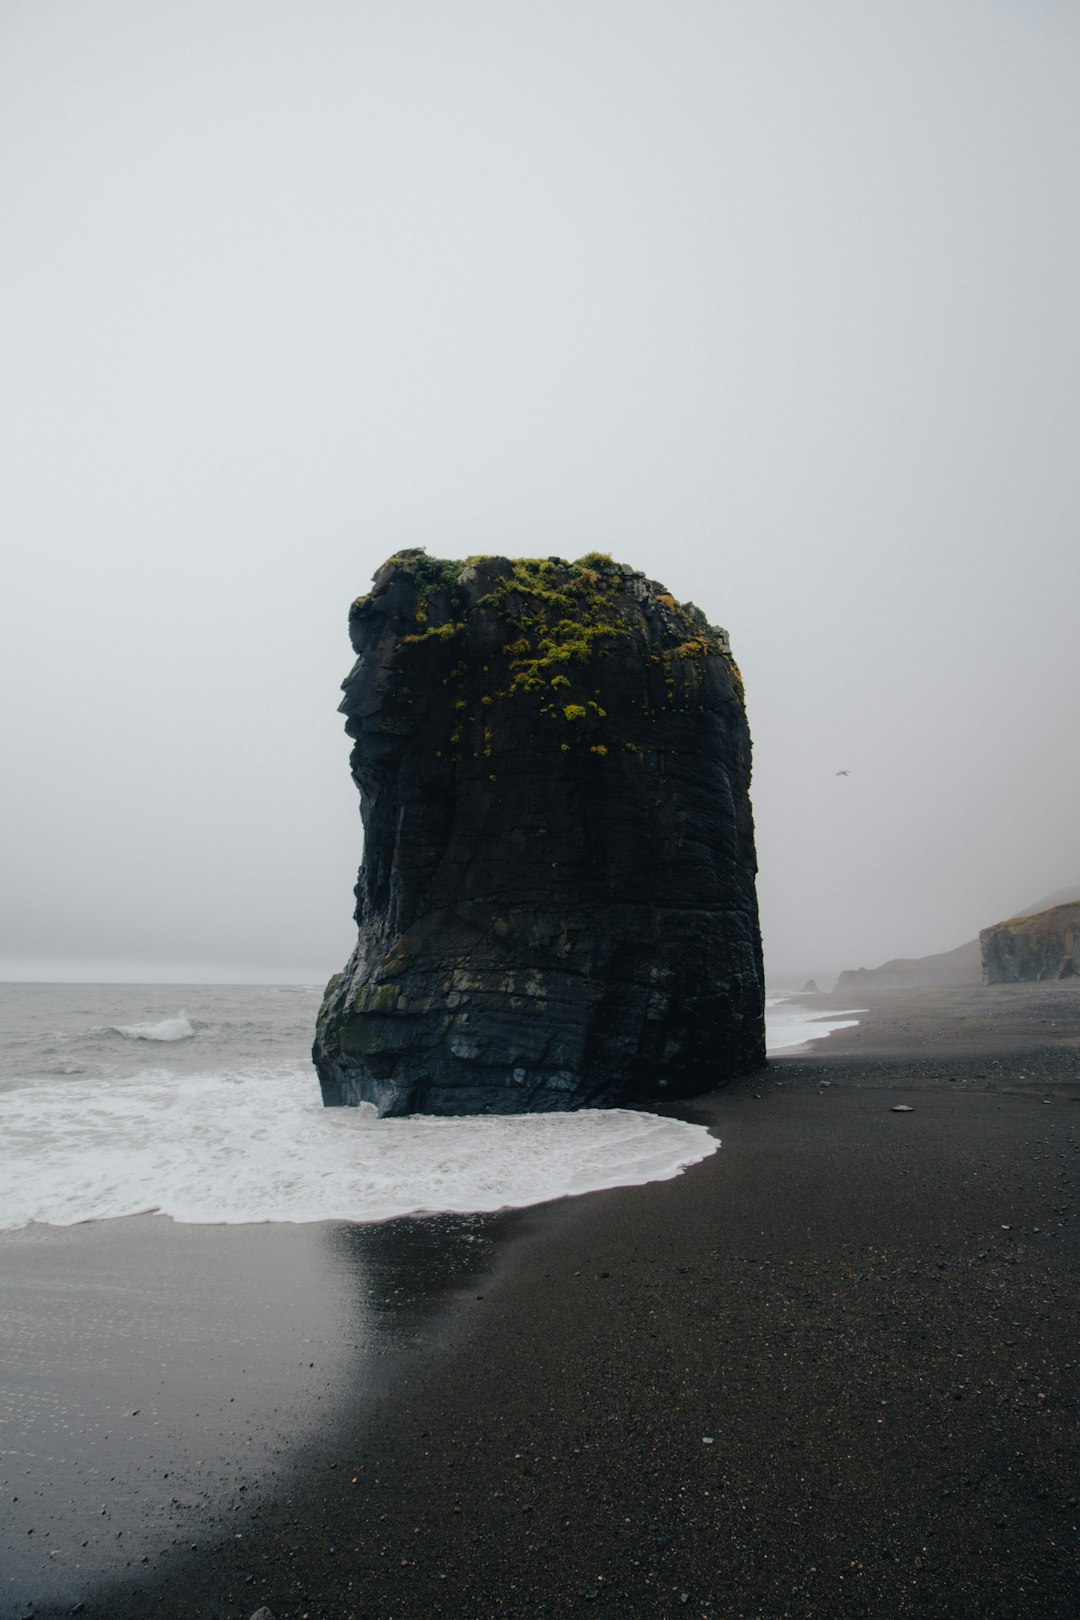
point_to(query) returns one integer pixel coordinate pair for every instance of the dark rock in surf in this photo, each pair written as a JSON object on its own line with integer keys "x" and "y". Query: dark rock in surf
{"x": 556, "y": 907}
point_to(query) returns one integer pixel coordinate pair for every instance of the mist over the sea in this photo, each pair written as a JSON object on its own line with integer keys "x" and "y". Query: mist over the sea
{"x": 775, "y": 303}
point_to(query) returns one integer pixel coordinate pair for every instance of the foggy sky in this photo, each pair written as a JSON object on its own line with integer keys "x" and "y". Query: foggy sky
{"x": 775, "y": 301}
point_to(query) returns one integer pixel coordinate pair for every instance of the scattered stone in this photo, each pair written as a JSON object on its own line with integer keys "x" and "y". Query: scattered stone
{"x": 902, "y": 1108}
{"x": 262, "y": 1614}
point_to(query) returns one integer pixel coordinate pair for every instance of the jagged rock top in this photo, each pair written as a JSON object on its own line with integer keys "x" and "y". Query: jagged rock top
{"x": 557, "y": 899}
{"x": 565, "y": 615}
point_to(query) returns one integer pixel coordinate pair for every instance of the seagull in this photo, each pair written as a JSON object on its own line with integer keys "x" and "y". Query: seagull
{"x": 843, "y": 773}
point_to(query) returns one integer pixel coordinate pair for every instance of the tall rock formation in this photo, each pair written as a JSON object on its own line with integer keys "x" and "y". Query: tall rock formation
{"x": 1042, "y": 946}
{"x": 556, "y": 907}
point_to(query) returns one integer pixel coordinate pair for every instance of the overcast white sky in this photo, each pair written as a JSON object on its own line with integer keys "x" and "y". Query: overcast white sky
{"x": 776, "y": 301}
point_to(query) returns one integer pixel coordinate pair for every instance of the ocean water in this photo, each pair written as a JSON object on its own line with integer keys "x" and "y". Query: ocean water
{"x": 791, "y": 1024}
{"x": 200, "y": 1102}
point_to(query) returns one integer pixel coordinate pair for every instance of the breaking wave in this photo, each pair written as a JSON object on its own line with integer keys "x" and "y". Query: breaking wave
{"x": 256, "y": 1144}
{"x": 179, "y": 1028}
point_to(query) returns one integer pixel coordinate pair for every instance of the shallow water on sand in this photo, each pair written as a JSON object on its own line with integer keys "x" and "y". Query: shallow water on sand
{"x": 157, "y": 1380}
{"x": 160, "y": 1377}
{"x": 792, "y": 1022}
{"x": 200, "y": 1102}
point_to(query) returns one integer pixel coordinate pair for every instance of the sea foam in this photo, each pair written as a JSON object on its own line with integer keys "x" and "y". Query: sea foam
{"x": 179, "y": 1028}
{"x": 256, "y": 1144}
{"x": 790, "y": 1023}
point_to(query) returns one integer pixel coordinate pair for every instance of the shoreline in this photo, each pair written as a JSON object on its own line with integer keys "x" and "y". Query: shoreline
{"x": 829, "y": 1371}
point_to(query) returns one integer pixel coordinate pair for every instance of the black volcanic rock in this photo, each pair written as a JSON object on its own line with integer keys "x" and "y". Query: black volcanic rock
{"x": 556, "y": 907}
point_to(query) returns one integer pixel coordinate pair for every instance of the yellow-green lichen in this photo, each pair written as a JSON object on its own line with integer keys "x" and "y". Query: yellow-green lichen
{"x": 435, "y": 632}
{"x": 554, "y": 621}
{"x": 561, "y": 622}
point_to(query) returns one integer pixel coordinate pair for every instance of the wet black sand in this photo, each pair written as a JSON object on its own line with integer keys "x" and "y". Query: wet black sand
{"x": 831, "y": 1371}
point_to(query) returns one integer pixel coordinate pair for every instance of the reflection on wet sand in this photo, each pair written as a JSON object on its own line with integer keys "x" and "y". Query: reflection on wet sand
{"x": 161, "y": 1380}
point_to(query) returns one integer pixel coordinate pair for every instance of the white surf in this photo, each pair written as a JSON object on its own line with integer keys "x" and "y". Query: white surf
{"x": 256, "y": 1144}
{"x": 790, "y": 1023}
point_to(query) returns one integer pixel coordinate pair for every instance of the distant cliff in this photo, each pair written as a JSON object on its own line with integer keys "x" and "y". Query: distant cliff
{"x": 960, "y": 966}
{"x": 557, "y": 905}
{"x": 1042, "y": 946}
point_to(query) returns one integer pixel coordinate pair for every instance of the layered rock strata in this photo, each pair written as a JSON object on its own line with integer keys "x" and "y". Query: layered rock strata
{"x": 1042, "y": 946}
{"x": 556, "y": 907}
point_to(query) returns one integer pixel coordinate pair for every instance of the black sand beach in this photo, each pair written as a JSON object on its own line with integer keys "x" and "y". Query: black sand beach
{"x": 831, "y": 1371}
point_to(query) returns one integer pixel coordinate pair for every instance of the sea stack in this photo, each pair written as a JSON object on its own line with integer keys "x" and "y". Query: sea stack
{"x": 556, "y": 908}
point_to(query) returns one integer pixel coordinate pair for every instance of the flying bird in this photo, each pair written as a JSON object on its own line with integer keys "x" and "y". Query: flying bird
{"x": 843, "y": 773}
